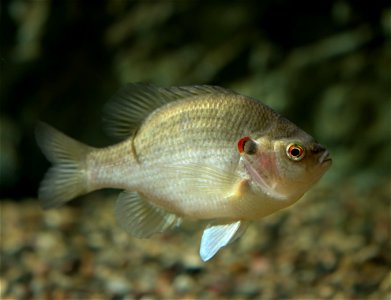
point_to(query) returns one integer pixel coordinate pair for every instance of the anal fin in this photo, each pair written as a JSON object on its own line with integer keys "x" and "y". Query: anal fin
{"x": 141, "y": 218}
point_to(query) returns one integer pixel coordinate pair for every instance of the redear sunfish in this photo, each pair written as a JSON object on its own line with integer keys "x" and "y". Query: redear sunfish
{"x": 195, "y": 152}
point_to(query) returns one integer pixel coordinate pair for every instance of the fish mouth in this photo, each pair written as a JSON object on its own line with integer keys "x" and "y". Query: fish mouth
{"x": 325, "y": 157}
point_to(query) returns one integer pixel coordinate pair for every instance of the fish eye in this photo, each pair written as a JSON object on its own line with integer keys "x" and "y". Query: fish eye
{"x": 247, "y": 145}
{"x": 295, "y": 152}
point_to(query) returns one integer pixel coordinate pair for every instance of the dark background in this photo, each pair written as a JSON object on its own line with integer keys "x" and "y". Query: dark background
{"x": 325, "y": 65}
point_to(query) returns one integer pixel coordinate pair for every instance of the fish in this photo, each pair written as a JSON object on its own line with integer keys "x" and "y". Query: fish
{"x": 199, "y": 153}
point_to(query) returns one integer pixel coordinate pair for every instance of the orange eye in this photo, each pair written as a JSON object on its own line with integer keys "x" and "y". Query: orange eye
{"x": 247, "y": 145}
{"x": 295, "y": 152}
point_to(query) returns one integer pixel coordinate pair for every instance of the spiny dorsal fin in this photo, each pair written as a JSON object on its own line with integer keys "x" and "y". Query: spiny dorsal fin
{"x": 140, "y": 218}
{"x": 132, "y": 104}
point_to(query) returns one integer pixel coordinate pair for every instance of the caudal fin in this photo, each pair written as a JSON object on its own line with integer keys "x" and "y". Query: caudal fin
{"x": 66, "y": 179}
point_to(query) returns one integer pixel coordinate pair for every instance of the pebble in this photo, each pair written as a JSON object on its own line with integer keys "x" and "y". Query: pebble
{"x": 183, "y": 283}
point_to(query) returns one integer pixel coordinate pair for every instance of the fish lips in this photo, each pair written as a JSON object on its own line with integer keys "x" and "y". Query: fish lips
{"x": 325, "y": 158}
{"x": 324, "y": 154}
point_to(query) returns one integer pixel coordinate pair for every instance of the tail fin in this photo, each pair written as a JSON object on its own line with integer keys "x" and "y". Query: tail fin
{"x": 67, "y": 178}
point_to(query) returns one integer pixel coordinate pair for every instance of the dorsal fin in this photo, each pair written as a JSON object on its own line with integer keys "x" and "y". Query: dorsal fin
{"x": 132, "y": 104}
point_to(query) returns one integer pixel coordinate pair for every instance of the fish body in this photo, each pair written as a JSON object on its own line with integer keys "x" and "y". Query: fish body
{"x": 201, "y": 152}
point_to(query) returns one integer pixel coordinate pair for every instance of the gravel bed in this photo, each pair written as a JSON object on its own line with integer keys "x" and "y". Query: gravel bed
{"x": 333, "y": 244}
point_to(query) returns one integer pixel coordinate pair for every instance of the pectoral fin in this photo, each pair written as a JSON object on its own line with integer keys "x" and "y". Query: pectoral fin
{"x": 141, "y": 218}
{"x": 207, "y": 179}
{"x": 217, "y": 236}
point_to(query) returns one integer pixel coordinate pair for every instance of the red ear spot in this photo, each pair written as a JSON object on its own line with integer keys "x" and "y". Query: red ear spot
{"x": 242, "y": 142}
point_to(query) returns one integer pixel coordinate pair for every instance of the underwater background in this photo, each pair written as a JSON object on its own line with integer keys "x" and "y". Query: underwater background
{"x": 325, "y": 65}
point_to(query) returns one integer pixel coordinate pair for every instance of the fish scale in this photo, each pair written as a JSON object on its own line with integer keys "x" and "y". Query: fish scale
{"x": 164, "y": 133}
